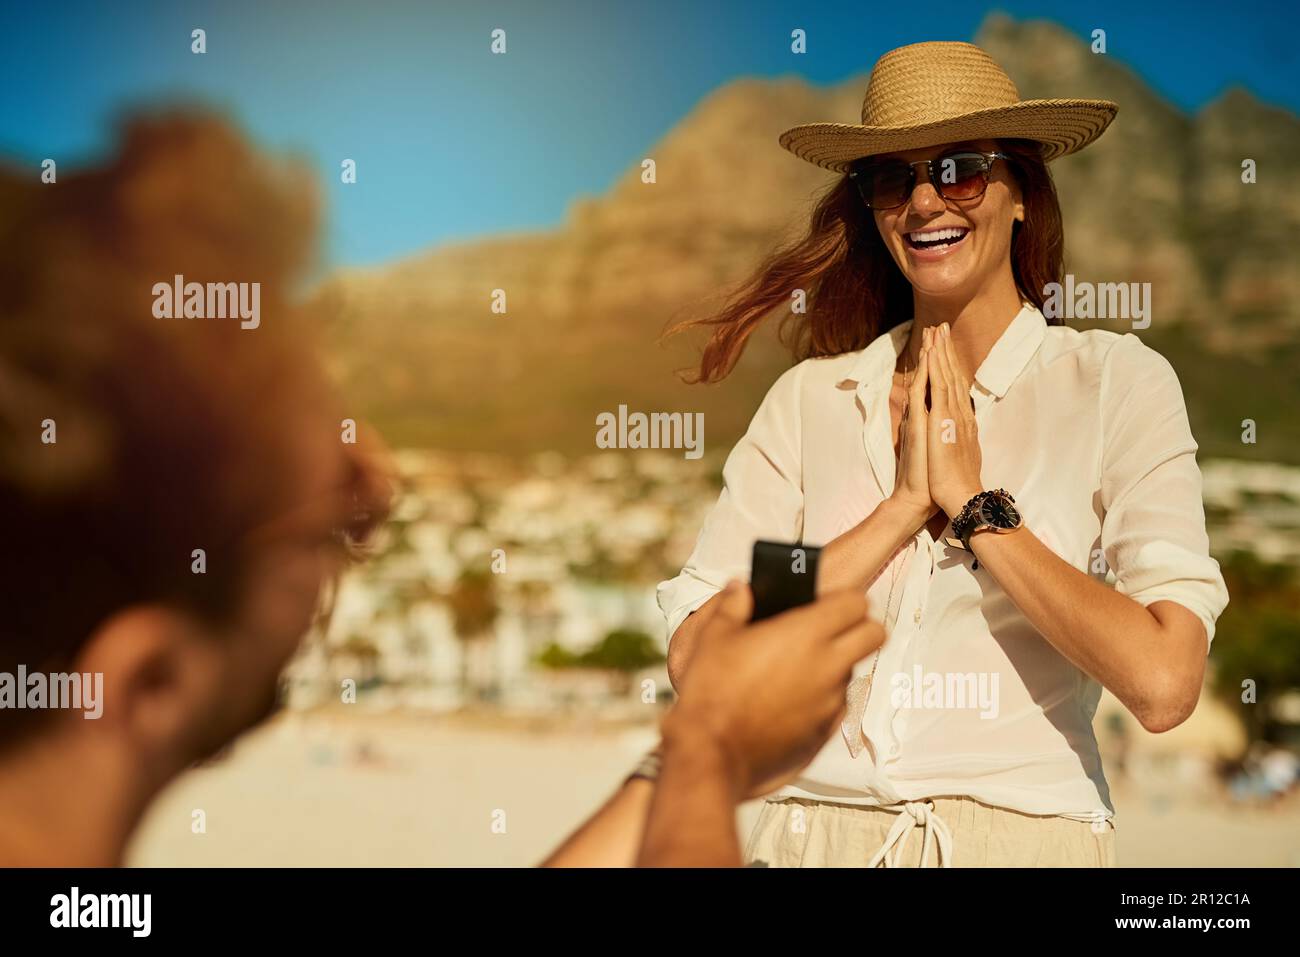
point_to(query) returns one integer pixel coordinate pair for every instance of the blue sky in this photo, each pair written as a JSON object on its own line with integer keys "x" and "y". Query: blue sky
{"x": 453, "y": 142}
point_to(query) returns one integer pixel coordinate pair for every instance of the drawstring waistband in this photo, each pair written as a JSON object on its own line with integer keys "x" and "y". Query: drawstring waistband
{"x": 910, "y": 814}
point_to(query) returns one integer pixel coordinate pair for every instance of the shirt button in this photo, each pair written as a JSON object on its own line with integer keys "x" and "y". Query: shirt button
{"x": 916, "y": 616}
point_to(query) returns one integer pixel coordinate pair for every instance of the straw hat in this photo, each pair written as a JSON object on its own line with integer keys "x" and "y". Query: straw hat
{"x": 927, "y": 94}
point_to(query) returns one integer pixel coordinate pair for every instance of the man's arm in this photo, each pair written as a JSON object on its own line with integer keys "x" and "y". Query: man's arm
{"x": 692, "y": 820}
{"x": 610, "y": 837}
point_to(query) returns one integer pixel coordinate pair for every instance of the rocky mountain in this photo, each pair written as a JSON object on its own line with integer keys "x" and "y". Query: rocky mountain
{"x": 1159, "y": 198}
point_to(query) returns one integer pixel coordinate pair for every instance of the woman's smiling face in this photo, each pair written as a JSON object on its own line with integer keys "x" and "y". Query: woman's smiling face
{"x": 980, "y": 244}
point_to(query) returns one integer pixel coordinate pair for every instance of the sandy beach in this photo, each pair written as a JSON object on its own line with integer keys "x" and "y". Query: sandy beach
{"x": 379, "y": 790}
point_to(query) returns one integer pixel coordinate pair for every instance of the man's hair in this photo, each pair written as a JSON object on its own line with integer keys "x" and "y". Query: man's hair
{"x": 171, "y": 435}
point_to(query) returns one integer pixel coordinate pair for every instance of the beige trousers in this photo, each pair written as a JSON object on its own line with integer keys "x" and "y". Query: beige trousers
{"x": 947, "y": 832}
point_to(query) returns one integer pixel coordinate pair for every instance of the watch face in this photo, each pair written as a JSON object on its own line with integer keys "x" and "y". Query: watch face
{"x": 1000, "y": 512}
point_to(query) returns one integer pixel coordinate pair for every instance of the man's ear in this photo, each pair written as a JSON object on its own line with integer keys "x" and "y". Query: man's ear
{"x": 162, "y": 675}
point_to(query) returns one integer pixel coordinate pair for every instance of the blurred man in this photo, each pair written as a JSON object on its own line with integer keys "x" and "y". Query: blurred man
{"x": 180, "y": 488}
{"x": 177, "y": 492}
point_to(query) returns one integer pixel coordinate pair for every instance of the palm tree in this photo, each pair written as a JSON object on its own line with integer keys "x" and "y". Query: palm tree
{"x": 473, "y": 605}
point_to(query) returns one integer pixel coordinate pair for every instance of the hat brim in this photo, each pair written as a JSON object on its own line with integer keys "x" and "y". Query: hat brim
{"x": 1062, "y": 126}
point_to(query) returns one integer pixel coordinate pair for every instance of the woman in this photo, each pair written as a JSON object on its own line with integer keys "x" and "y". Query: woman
{"x": 1028, "y": 461}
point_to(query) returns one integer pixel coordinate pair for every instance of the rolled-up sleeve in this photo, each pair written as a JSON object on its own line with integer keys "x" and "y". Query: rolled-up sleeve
{"x": 1153, "y": 531}
{"x": 762, "y": 497}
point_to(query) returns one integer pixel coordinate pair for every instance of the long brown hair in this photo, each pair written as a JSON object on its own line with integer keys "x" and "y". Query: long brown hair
{"x": 854, "y": 289}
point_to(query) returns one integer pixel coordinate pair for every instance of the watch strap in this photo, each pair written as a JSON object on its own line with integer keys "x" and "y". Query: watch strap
{"x": 965, "y": 523}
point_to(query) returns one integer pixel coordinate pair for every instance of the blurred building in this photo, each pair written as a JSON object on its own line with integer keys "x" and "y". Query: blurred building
{"x": 566, "y": 553}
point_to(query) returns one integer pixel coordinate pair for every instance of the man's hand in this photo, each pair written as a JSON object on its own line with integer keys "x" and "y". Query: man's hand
{"x": 758, "y": 703}
{"x": 767, "y": 696}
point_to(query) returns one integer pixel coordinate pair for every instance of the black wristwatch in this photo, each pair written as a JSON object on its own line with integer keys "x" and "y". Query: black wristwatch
{"x": 994, "y": 510}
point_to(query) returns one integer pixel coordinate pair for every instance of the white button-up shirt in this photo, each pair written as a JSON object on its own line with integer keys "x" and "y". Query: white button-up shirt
{"x": 1089, "y": 432}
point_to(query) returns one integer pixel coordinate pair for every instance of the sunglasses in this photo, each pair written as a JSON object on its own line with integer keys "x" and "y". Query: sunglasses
{"x": 886, "y": 184}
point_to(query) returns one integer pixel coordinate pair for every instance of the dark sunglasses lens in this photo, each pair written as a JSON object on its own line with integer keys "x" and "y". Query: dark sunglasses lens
{"x": 962, "y": 177}
{"x": 885, "y": 185}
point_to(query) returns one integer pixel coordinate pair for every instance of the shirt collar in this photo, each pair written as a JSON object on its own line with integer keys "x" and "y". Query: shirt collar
{"x": 876, "y": 362}
{"x": 1013, "y": 350}
{"x": 1005, "y": 361}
